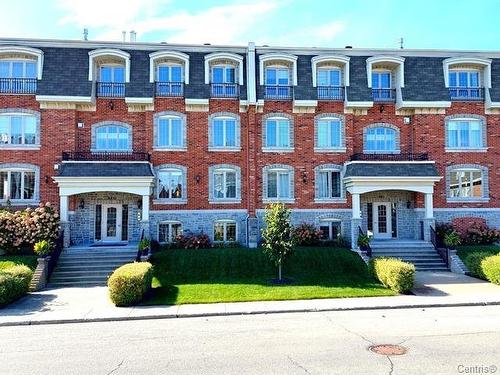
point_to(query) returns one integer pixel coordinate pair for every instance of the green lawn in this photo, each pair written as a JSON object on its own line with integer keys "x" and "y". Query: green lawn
{"x": 7, "y": 261}
{"x": 462, "y": 251}
{"x": 230, "y": 275}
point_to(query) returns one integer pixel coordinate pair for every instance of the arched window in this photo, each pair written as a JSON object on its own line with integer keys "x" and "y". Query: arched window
{"x": 225, "y": 231}
{"x": 171, "y": 183}
{"x": 20, "y": 67}
{"x": 381, "y": 138}
{"x": 278, "y": 74}
{"x": 19, "y": 183}
{"x": 170, "y": 131}
{"x": 19, "y": 128}
{"x": 112, "y": 136}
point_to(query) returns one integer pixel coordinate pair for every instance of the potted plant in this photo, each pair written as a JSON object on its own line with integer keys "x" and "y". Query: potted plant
{"x": 363, "y": 241}
{"x": 144, "y": 246}
{"x": 452, "y": 240}
{"x": 42, "y": 248}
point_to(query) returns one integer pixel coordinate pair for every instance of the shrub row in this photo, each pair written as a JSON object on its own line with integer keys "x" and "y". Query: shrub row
{"x": 483, "y": 265}
{"x": 470, "y": 232}
{"x": 14, "y": 283}
{"x": 395, "y": 274}
{"x": 129, "y": 283}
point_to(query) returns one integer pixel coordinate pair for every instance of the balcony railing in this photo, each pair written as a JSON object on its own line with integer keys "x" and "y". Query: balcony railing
{"x": 105, "y": 156}
{"x": 224, "y": 90}
{"x": 278, "y": 92}
{"x": 383, "y": 95}
{"x": 110, "y": 89}
{"x": 390, "y": 157}
{"x": 169, "y": 89}
{"x": 18, "y": 85}
{"x": 466, "y": 93}
{"x": 330, "y": 93}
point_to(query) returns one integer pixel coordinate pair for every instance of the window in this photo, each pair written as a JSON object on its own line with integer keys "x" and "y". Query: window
{"x": 224, "y": 132}
{"x": 224, "y": 183}
{"x": 277, "y": 134}
{"x": 223, "y": 81}
{"x": 381, "y": 85}
{"x": 168, "y": 231}
{"x": 464, "y": 84}
{"x": 279, "y": 183}
{"x": 18, "y": 129}
{"x": 112, "y": 137}
{"x": 329, "y": 133}
{"x": 382, "y": 139}
{"x": 170, "y": 132}
{"x": 225, "y": 231}
{"x": 171, "y": 184}
{"x": 464, "y": 134}
{"x": 328, "y": 77}
{"x": 278, "y": 83}
{"x": 466, "y": 183}
{"x": 18, "y": 184}
{"x": 330, "y": 229}
{"x": 111, "y": 81}
{"x": 328, "y": 184}
{"x": 169, "y": 80}
{"x": 18, "y": 76}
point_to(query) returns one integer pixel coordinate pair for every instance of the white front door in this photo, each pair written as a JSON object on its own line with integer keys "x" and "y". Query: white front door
{"x": 111, "y": 222}
{"x": 382, "y": 223}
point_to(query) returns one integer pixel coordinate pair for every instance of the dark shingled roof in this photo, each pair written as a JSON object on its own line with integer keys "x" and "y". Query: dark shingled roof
{"x": 103, "y": 169}
{"x": 391, "y": 170}
{"x": 358, "y": 90}
{"x": 495, "y": 80}
{"x": 424, "y": 79}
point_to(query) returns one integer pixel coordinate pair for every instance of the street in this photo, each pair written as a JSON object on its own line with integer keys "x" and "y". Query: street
{"x": 450, "y": 340}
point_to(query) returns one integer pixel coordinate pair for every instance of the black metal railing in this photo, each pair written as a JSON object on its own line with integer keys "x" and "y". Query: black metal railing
{"x": 110, "y": 90}
{"x": 278, "y": 92}
{"x": 139, "y": 250}
{"x": 224, "y": 90}
{"x": 18, "y": 85}
{"x": 368, "y": 248}
{"x": 383, "y": 95}
{"x": 330, "y": 93}
{"x": 442, "y": 251}
{"x": 169, "y": 89}
{"x": 466, "y": 93}
{"x": 390, "y": 157}
{"x": 56, "y": 252}
{"x": 105, "y": 156}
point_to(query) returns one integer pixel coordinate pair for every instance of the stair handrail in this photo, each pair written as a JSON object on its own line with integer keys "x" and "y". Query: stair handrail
{"x": 56, "y": 252}
{"x": 368, "y": 247}
{"x": 443, "y": 252}
{"x": 139, "y": 251}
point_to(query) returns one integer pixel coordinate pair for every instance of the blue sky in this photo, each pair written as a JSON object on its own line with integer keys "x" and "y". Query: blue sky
{"x": 454, "y": 24}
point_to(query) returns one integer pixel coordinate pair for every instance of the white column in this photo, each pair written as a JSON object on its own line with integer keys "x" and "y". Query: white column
{"x": 145, "y": 208}
{"x": 429, "y": 207}
{"x": 63, "y": 208}
{"x": 356, "y": 206}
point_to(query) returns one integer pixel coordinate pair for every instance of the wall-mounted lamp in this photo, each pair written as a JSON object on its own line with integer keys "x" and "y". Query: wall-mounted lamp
{"x": 408, "y": 204}
{"x": 304, "y": 177}
{"x": 111, "y": 105}
{"x": 46, "y": 179}
{"x": 198, "y": 178}
{"x": 381, "y": 109}
{"x": 81, "y": 205}
{"x": 139, "y": 204}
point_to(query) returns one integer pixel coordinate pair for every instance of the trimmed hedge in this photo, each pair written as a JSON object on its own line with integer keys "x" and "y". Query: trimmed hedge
{"x": 14, "y": 283}
{"x": 393, "y": 273}
{"x": 129, "y": 283}
{"x": 491, "y": 268}
{"x": 473, "y": 263}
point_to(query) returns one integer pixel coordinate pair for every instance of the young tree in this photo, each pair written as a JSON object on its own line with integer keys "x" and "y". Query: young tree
{"x": 278, "y": 242}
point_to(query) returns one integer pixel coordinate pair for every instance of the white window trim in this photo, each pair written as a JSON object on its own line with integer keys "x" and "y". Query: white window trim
{"x": 399, "y": 70}
{"x": 170, "y": 168}
{"x": 291, "y": 145}
{"x": 153, "y": 57}
{"x": 211, "y": 183}
{"x": 158, "y": 147}
{"x": 484, "y": 63}
{"x": 170, "y": 64}
{"x": 484, "y": 185}
{"x": 236, "y": 119}
{"x": 380, "y": 71}
{"x": 169, "y": 223}
{"x": 213, "y": 57}
{"x": 98, "y": 125}
{"x": 329, "y": 168}
{"x": 397, "y": 139}
{"x": 337, "y": 59}
{"x": 93, "y": 67}
{"x": 156, "y": 130}
{"x": 328, "y": 222}
{"x": 263, "y": 59}
{"x": 483, "y": 148}
{"x": 225, "y": 222}
{"x": 36, "y": 53}
{"x": 12, "y": 146}
{"x": 225, "y": 66}
{"x": 19, "y": 167}
{"x": 277, "y": 169}
{"x": 468, "y": 71}
{"x": 108, "y": 65}
{"x": 317, "y": 120}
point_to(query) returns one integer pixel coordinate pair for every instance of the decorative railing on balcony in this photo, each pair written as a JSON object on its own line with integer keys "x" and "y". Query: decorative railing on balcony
{"x": 169, "y": 89}
{"x": 278, "y": 92}
{"x": 105, "y": 156}
{"x": 383, "y": 95}
{"x": 390, "y": 157}
{"x": 224, "y": 90}
{"x": 18, "y": 85}
{"x": 330, "y": 93}
{"x": 110, "y": 89}
{"x": 466, "y": 93}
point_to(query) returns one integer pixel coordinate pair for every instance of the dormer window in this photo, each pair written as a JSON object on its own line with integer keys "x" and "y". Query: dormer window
{"x": 224, "y": 73}
{"x": 111, "y": 81}
{"x": 169, "y": 71}
{"x": 466, "y": 77}
{"x": 381, "y": 85}
{"x": 385, "y": 75}
{"x": 20, "y": 67}
{"x": 110, "y": 69}
{"x": 278, "y": 75}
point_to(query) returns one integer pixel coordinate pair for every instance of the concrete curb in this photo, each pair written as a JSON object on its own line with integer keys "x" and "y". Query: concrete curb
{"x": 242, "y": 312}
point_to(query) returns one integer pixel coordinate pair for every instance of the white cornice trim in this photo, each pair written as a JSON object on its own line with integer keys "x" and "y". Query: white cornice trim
{"x": 109, "y": 52}
{"x": 132, "y": 100}
{"x": 168, "y": 54}
{"x": 391, "y": 162}
{"x": 196, "y": 101}
{"x": 238, "y": 59}
{"x": 475, "y": 60}
{"x": 358, "y": 104}
{"x": 343, "y": 60}
{"x": 278, "y": 56}
{"x": 37, "y": 53}
{"x": 305, "y": 103}
{"x": 63, "y": 98}
{"x": 400, "y": 104}
{"x": 398, "y": 60}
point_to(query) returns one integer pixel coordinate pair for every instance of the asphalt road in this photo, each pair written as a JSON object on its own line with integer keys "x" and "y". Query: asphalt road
{"x": 439, "y": 341}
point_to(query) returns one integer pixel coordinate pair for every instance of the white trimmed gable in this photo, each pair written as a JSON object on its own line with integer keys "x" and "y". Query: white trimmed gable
{"x": 95, "y": 54}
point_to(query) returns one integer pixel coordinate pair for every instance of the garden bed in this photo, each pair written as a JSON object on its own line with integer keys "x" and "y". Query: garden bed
{"x": 7, "y": 261}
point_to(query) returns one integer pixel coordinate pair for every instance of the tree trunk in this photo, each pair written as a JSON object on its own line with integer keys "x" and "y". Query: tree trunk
{"x": 279, "y": 271}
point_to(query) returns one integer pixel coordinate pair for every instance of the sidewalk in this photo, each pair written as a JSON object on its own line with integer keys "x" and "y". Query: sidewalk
{"x": 74, "y": 305}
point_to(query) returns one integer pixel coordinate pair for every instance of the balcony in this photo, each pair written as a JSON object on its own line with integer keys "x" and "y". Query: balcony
{"x": 224, "y": 90}
{"x": 391, "y": 157}
{"x": 467, "y": 93}
{"x": 330, "y": 93}
{"x": 169, "y": 89}
{"x": 105, "y": 156}
{"x": 18, "y": 85}
{"x": 277, "y": 92}
{"x": 384, "y": 95}
{"x": 110, "y": 90}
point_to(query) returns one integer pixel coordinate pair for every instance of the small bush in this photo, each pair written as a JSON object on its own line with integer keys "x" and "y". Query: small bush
{"x": 193, "y": 241}
{"x": 473, "y": 263}
{"x": 227, "y": 245}
{"x": 129, "y": 283}
{"x": 393, "y": 273}
{"x": 491, "y": 268}
{"x": 14, "y": 283}
{"x": 42, "y": 248}
{"x": 306, "y": 235}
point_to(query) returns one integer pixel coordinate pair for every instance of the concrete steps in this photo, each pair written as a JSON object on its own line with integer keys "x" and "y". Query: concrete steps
{"x": 90, "y": 266}
{"x": 422, "y": 254}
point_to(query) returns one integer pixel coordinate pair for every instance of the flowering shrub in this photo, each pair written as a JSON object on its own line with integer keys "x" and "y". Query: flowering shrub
{"x": 193, "y": 241}
{"x": 25, "y": 228}
{"x": 306, "y": 235}
{"x": 471, "y": 230}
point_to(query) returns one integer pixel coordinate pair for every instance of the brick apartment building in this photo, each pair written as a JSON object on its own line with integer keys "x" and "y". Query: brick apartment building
{"x": 132, "y": 138}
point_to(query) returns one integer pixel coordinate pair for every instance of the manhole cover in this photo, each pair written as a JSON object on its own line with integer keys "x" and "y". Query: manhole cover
{"x": 388, "y": 349}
